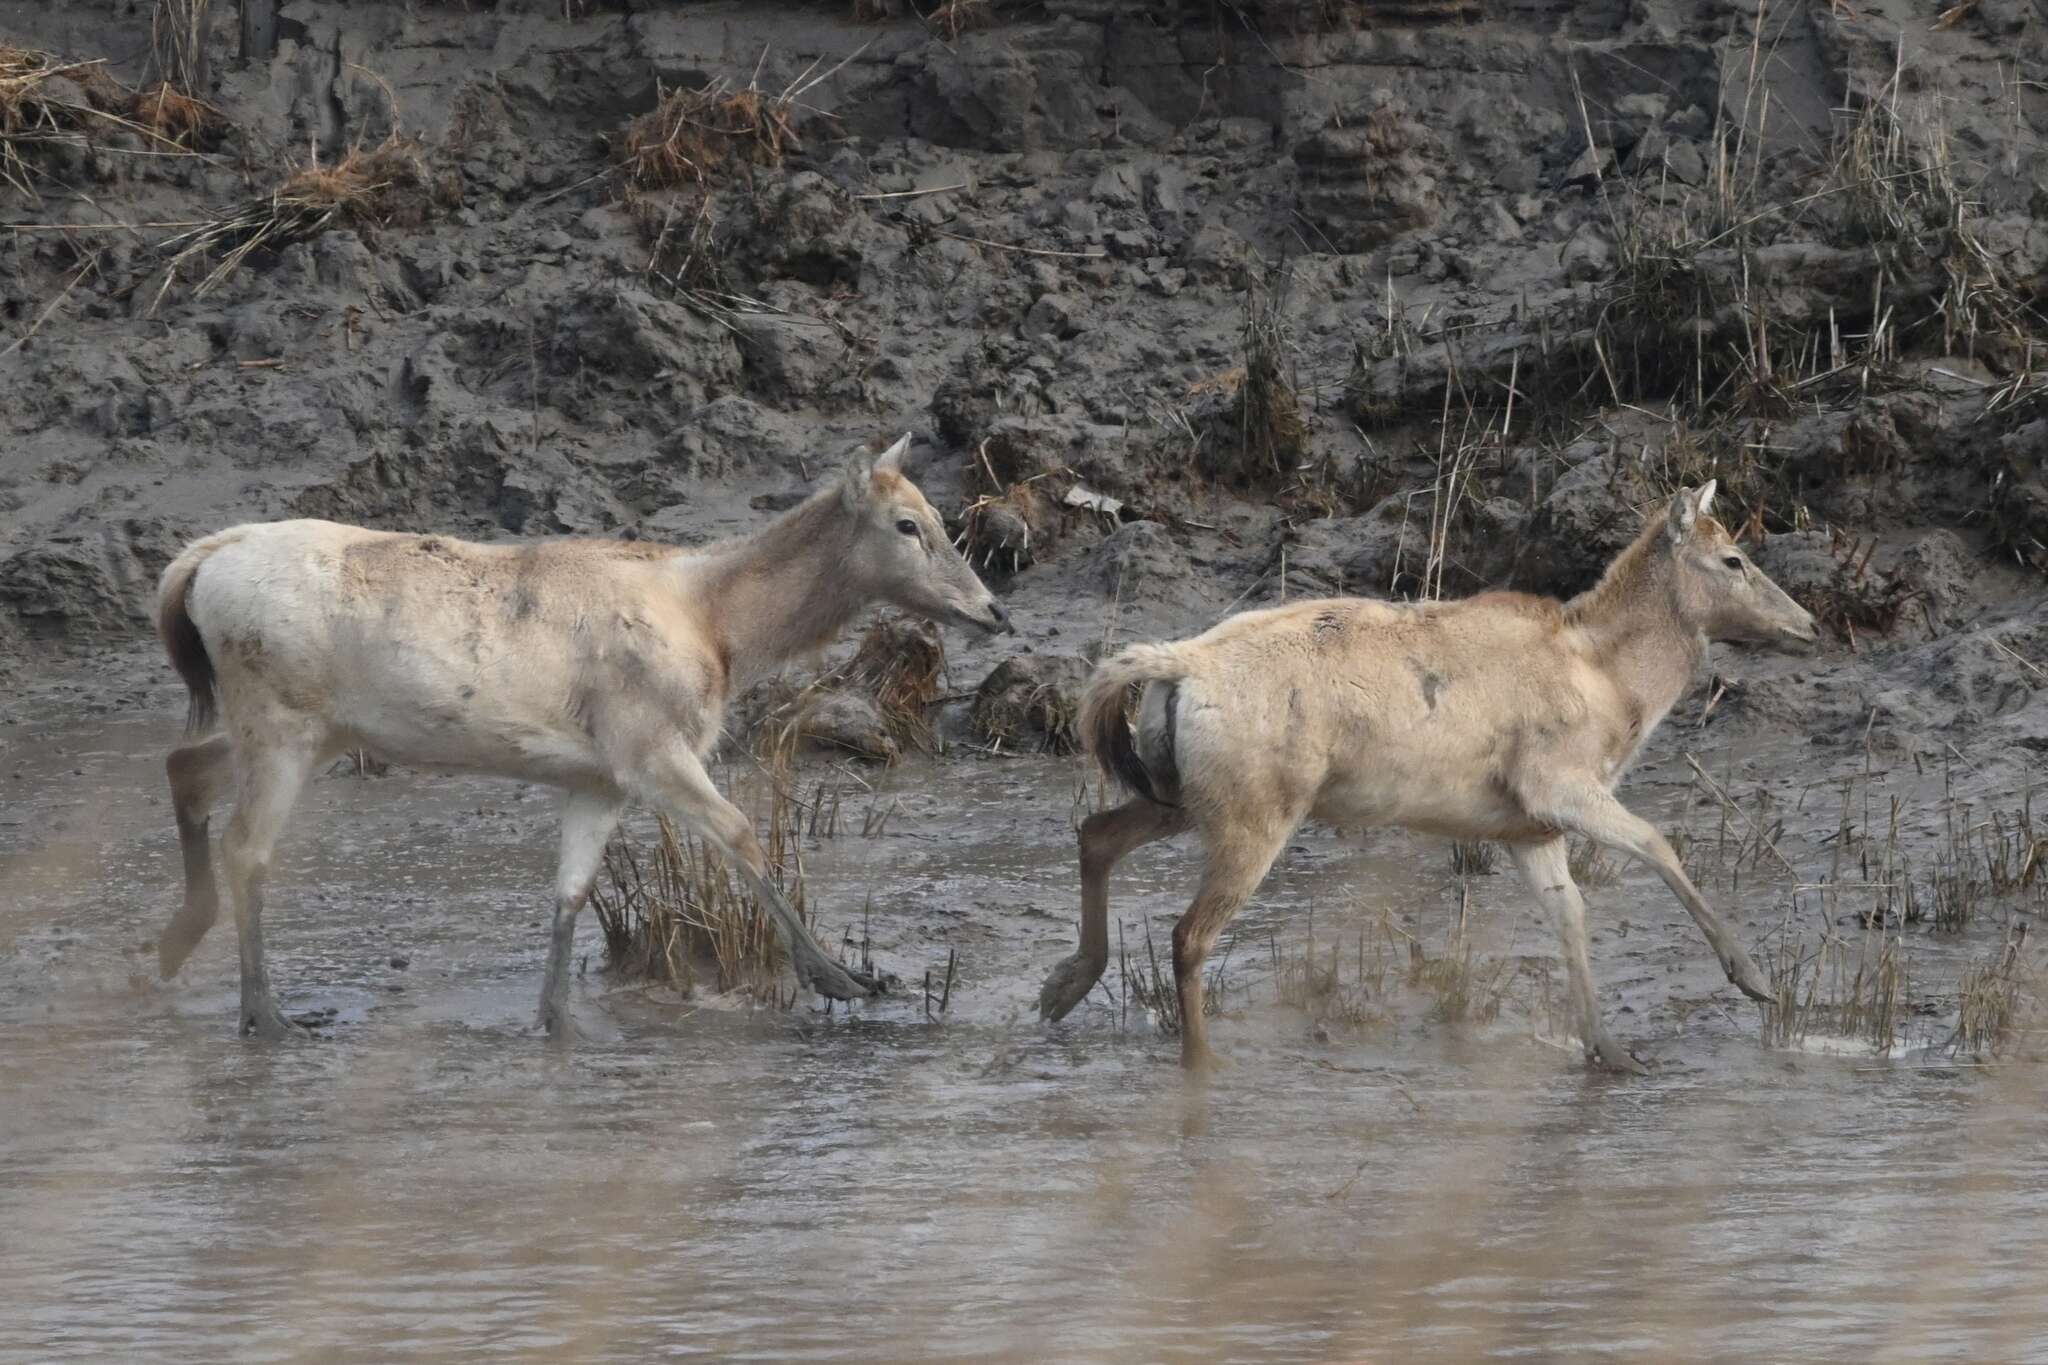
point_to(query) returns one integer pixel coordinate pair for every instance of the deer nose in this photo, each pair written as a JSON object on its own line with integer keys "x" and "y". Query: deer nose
{"x": 1001, "y": 616}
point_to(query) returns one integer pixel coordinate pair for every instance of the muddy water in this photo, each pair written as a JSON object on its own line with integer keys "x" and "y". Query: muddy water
{"x": 695, "y": 1180}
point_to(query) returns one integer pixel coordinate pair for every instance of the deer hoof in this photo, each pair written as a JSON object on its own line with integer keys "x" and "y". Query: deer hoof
{"x": 1608, "y": 1055}
{"x": 835, "y": 982}
{"x": 264, "y": 1021}
{"x": 1746, "y": 978}
{"x": 1066, "y": 986}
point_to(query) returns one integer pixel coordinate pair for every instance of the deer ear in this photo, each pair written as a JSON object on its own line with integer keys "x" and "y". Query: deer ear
{"x": 1684, "y": 514}
{"x": 891, "y": 460}
{"x": 1705, "y": 502}
{"x": 859, "y": 479}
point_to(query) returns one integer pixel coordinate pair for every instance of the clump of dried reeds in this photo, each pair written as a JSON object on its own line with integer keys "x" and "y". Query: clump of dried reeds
{"x": 681, "y": 235}
{"x": 1003, "y": 532}
{"x": 901, "y": 664}
{"x": 1475, "y": 858}
{"x": 1590, "y": 864}
{"x": 172, "y": 116}
{"x": 1467, "y": 988}
{"x": 1272, "y": 433}
{"x": 177, "y": 41}
{"x": 690, "y": 135}
{"x": 1314, "y": 980}
{"x": 679, "y": 908}
{"x": 1853, "y": 599}
{"x": 47, "y": 101}
{"x": 1014, "y": 704}
{"x": 388, "y": 185}
{"x": 1825, "y": 991}
{"x": 1991, "y": 997}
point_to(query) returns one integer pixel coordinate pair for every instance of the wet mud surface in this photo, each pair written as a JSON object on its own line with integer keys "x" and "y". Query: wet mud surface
{"x": 700, "y": 1178}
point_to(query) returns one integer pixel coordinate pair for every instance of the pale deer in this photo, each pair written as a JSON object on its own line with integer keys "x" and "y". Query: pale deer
{"x": 600, "y": 667}
{"x": 1500, "y": 717}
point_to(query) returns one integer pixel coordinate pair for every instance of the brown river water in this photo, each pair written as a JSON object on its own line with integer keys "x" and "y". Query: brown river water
{"x": 430, "y": 1179}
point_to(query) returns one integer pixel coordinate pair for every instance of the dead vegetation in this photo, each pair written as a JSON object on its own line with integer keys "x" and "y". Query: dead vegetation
{"x": 1477, "y": 859}
{"x": 48, "y": 103}
{"x": 1827, "y": 991}
{"x": 1992, "y": 997}
{"x": 1258, "y": 434}
{"x": 388, "y": 185}
{"x": 690, "y": 136}
{"x": 900, "y": 666}
{"x": 177, "y": 44}
{"x": 1853, "y": 600}
{"x": 676, "y": 913}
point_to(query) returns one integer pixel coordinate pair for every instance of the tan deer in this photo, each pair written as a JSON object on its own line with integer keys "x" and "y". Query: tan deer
{"x": 599, "y": 667}
{"x": 1504, "y": 717}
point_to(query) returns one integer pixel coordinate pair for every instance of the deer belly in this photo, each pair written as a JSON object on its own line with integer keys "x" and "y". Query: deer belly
{"x": 1434, "y": 801}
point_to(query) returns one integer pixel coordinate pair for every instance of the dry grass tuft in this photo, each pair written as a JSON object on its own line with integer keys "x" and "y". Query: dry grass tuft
{"x": 177, "y": 42}
{"x": 1246, "y": 421}
{"x": 1590, "y": 864}
{"x": 389, "y": 185}
{"x": 46, "y": 102}
{"x": 1475, "y": 859}
{"x": 1852, "y": 600}
{"x": 902, "y": 663}
{"x": 1827, "y": 992}
{"x": 689, "y": 135}
{"x": 1992, "y": 997}
{"x": 1003, "y": 533}
{"x": 172, "y": 116}
{"x": 679, "y": 910}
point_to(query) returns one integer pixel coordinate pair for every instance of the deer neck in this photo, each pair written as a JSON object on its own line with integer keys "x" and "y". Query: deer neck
{"x": 781, "y": 592}
{"x": 1635, "y": 632}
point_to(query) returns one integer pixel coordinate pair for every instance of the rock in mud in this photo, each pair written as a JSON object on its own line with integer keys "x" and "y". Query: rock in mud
{"x": 849, "y": 722}
{"x": 1587, "y": 519}
{"x": 1137, "y": 560}
{"x": 1031, "y": 701}
{"x": 79, "y": 588}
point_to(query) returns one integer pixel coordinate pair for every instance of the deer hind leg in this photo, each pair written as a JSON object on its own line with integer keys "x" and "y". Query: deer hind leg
{"x": 270, "y": 780}
{"x": 588, "y": 819}
{"x": 1106, "y": 837}
{"x": 199, "y": 773}
{"x": 1597, "y": 815}
{"x": 1239, "y": 856}
{"x": 1546, "y": 868}
{"x": 677, "y": 781}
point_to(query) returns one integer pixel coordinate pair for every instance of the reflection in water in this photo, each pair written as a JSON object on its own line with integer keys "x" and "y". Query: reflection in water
{"x": 870, "y": 1186}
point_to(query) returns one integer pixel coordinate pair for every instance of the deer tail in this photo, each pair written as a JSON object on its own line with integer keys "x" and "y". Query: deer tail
{"x": 181, "y": 637}
{"x": 1142, "y": 762}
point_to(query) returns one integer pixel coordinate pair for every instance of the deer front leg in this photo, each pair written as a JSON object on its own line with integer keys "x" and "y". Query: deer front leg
{"x": 1591, "y": 810}
{"x": 1546, "y": 868}
{"x": 677, "y": 780}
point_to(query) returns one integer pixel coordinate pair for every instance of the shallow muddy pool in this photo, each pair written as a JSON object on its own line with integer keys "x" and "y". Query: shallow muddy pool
{"x": 869, "y": 1184}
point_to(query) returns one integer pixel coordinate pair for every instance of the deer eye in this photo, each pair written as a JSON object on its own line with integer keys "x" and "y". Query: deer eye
{"x": 907, "y": 527}
{"x": 1733, "y": 561}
